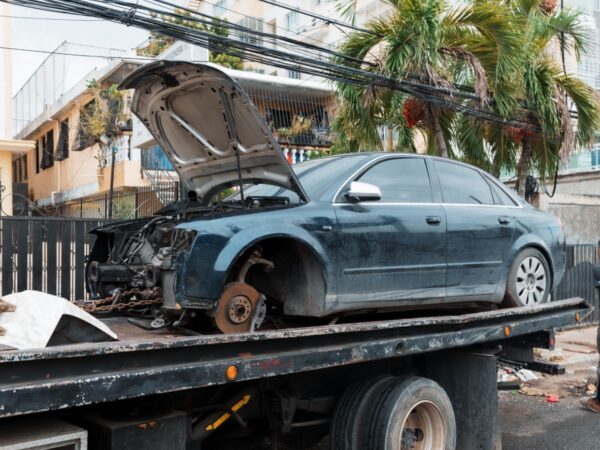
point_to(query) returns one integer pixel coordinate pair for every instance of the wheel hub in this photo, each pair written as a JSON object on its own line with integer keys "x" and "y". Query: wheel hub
{"x": 237, "y": 308}
{"x": 423, "y": 428}
{"x": 240, "y": 308}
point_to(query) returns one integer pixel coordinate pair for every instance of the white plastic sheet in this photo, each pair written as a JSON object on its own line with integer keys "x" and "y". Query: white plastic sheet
{"x": 36, "y": 317}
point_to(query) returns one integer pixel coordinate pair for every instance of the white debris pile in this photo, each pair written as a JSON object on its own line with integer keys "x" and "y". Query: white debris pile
{"x": 508, "y": 375}
{"x": 32, "y": 319}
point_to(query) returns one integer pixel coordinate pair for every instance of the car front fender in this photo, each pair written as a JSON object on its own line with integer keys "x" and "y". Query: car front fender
{"x": 214, "y": 253}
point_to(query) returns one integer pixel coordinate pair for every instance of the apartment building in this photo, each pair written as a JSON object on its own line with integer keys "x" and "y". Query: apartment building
{"x": 299, "y": 113}
{"x": 64, "y": 165}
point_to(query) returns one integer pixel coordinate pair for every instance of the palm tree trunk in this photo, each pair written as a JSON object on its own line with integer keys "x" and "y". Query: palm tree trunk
{"x": 438, "y": 133}
{"x": 523, "y": 167}
{"x": 389, "y": 141}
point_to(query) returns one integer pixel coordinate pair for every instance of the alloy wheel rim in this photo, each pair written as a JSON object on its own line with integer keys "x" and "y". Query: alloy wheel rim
{"x": 531, "y": 281}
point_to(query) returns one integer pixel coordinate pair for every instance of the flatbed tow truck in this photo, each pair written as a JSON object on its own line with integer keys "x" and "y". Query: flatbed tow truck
{"x": 422, "y": 382}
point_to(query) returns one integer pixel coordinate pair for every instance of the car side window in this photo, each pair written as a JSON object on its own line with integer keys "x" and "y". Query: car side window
{"x": 401, "y": 180}
{"x": 500, "y": 197}
{"x": 463, "y": 185}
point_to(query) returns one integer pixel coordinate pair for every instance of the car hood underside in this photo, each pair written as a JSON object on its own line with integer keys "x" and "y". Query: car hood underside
{"x": 208, "y": 127}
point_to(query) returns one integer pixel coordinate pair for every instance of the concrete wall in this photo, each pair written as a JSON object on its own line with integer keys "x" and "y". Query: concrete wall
{"x": 577, "y": 203}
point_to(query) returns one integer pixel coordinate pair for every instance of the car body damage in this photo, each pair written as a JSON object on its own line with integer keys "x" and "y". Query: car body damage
{"x": 349, "y": 233}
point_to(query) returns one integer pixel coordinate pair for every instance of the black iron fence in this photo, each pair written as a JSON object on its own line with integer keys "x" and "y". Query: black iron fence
{"x": 45, "y": 254}
{"x": 578, "y": 280}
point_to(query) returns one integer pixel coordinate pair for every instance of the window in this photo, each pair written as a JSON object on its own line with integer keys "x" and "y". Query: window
{"x": 62, "y": 149}
{"x": 500, "y": 197}
{"x": 402, "y": 180}
{"x": 292, "y": 20}
{"x": 220, "y": 7}
{"x": 48, "y": 151}
{"x": 20, "y": 169}
{"x": 254, "y": 24}
{"x": 463, "y": 185}
{"x": 37, "y": 155}
{"x": 294, "y": 74}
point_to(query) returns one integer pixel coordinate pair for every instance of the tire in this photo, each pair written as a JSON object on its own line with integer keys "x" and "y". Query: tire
{"x": 411, "y": 413}
{"x": 529, "y": 280}
{"x": 347, "y": 421}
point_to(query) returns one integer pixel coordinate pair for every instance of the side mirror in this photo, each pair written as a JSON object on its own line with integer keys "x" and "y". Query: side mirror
{"x": 363, "y": 192}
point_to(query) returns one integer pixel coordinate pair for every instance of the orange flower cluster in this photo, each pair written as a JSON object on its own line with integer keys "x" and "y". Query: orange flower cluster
{"x": 413, "y": 111}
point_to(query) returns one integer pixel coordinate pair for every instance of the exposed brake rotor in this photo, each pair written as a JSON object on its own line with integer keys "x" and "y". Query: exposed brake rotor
{"x": 240, "y": 309}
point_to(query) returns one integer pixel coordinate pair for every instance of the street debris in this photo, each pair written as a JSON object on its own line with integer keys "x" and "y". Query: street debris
{"x": 552, "y": 398}
{"x": 591, "y": 390}
{"x": 33, "y": 319}
{"x": 526, "y": 375}
{"x": 532, "y": 391}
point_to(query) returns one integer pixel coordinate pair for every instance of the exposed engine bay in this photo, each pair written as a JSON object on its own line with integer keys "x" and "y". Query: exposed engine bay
{"x": 133, "y": 265}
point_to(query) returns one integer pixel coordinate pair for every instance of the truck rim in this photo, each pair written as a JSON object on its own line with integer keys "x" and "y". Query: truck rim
{"x": 531, "y": 281}
{"x": 423, "y": 428}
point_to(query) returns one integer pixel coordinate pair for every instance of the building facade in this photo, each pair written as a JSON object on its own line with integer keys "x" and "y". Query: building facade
{"x": 64, "y": 166}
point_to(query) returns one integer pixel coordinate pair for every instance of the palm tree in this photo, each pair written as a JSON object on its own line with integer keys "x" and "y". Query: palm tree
{"x": 548, "y": 91}
{"x": 434, "y": 43}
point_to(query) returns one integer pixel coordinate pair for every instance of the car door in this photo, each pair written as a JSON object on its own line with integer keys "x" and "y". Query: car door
{"x": 479, "y": 231}
{"x": 392, "y": 249}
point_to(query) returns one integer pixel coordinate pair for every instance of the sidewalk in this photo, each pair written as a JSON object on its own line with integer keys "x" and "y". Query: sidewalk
{"x": 575, "y": 349}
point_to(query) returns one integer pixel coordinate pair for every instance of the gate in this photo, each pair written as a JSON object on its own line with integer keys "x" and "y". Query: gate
{"x": 45, "y": 254}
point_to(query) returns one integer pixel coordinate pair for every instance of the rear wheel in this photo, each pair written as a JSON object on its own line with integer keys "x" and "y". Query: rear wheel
{"x": 348, "y": 418}
{"x": 529, "y": 279}
{"x": 412, "y": 413}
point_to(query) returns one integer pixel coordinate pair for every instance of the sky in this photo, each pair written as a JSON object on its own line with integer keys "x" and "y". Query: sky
{"x": 49, "y": 34}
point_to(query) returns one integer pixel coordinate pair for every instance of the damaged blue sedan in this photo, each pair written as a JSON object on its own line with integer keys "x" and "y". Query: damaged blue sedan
{"x": 343, "y": 234}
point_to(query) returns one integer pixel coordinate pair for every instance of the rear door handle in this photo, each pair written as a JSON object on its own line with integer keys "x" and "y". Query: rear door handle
{"x": 433, "y": 220}
{"x": 504, "y": 220}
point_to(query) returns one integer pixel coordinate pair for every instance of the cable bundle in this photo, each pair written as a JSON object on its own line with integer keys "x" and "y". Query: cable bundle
{"x": 282, "y": 52}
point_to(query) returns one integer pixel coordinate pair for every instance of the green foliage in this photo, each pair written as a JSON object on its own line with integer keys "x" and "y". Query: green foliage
{"x": 503, "y": 51}
{"x": 224, "y": 56}
{"x": 102, "y": 115}
{"x": 431, "y": 42}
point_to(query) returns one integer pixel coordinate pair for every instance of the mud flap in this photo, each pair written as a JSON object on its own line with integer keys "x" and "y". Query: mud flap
{"x": 39, "y": 319}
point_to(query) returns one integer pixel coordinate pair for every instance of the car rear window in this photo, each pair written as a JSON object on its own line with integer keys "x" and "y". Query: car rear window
{"x": 463, "y": 185}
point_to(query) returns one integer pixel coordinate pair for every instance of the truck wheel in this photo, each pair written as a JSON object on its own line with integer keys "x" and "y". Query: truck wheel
{"x": 411, "y": 413}
{"x": 347, "y": 422}
{"x": 529, "y": 279}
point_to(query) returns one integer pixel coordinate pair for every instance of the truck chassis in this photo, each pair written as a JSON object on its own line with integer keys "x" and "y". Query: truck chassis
{"x": 285, "y": 380}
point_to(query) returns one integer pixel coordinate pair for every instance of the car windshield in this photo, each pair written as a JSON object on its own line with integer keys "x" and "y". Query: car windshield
{"x": 314, "y": 175}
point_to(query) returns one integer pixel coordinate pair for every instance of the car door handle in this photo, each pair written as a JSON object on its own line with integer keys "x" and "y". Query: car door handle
{"x": 504, "y": 220}
{"x": 433, "y": 220}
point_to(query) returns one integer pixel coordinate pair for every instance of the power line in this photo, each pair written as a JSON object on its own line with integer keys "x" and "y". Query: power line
{"x": 319, "y": 17}
{"x": 301, "y": 59}
{"x": 83, "y": 55}
{"x": 51, "y": 18}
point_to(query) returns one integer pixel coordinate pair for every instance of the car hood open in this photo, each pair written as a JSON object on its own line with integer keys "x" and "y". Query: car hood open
{"x": 208, "y": 127}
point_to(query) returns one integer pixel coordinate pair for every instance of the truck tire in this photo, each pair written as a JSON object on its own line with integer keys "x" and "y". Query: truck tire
{"x": 347, "y": 421}
{"x": 410, "y": 413}
{"x": 529, "y": 280}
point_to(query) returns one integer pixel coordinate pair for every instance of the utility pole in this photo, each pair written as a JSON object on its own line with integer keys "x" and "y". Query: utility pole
{"x": 111, "y": 191}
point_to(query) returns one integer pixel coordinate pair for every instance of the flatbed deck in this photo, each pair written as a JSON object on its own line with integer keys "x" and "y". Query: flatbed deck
{"x": 144, "y": 363}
